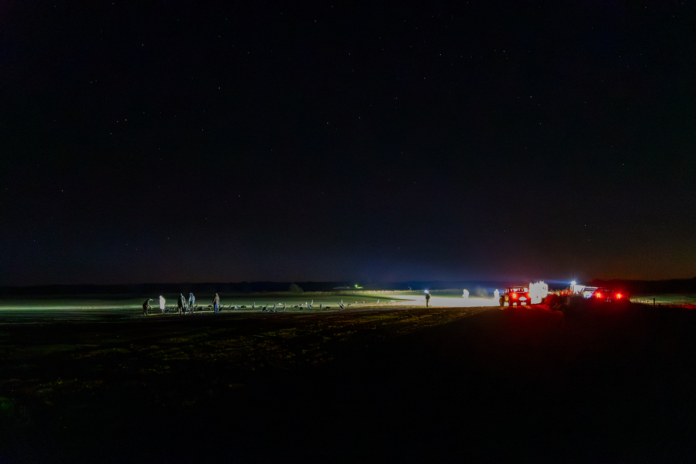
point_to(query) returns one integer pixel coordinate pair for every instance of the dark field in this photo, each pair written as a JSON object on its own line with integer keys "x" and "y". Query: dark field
{"x": 592, "y": 384}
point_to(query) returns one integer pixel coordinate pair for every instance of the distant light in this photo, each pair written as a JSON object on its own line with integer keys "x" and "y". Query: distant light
{"x": 599, "y": 295}
{"x": 618, "y": 296}
{"x": 514, "y": 295}
{"x": 426, "y": 291}
{"x": 572, "y": 283}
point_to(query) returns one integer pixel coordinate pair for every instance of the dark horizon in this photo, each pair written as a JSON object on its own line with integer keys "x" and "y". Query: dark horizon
{"x": 253, "y": 287}
{"x": 353, "y": 141}
{"x": 476, "y": 288}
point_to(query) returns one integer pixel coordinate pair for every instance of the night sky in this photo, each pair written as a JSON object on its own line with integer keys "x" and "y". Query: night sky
{"x": 179, "y": 141}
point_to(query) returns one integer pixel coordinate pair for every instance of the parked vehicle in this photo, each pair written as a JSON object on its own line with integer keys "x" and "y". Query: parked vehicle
{"x": 609, "y": 295}
{"x": 516, "y": 295}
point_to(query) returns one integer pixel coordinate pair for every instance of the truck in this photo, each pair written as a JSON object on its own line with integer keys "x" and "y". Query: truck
{"x": 608, "y": 295}
{"x": 604, "y": 294}
{"x": 534, "y": 293}
{"x": 515, "y": 295}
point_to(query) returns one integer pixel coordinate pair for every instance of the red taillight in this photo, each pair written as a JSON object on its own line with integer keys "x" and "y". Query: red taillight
{"x": 514, "y": 295}
{"x": 598, "y": 295}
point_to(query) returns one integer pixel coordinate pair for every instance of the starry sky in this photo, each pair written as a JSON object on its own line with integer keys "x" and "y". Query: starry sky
{"x": 178, "y": 141}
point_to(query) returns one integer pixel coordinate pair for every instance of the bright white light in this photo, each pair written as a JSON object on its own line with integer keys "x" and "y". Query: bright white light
{"x": 572, "y": 283}
{"x": 538, "y": 291}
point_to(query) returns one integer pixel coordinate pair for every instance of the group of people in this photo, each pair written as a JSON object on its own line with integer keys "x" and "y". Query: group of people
{"x": 182, "y": 305}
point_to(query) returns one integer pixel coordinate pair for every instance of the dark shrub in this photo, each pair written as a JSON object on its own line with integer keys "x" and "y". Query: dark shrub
{"x": 294, "y": 288}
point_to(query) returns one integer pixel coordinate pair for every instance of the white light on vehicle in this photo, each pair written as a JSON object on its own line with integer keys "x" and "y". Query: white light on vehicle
{"x": 538, "y": 291}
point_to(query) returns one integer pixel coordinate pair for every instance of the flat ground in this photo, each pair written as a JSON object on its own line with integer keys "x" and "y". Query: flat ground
{"x": 95, "y": 307}
{"x": 604, "y": 384}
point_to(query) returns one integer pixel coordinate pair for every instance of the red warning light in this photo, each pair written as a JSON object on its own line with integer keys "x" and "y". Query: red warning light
{"x": 618, "y": 296}
{"x": 598, "y": 295}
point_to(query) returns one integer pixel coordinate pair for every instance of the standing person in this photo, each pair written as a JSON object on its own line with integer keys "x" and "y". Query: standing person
{"x": 427, "y": 298}
{"x": 216, "y": 303}
{"x": 146, "y": 306}
{"x": 192, "y": 301}
{"x": 162, "y": 302}
{"x": 181, "y": 304}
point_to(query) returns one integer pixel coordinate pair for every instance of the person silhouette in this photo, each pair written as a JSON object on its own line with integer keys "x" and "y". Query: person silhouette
{"x": 216, "y": 303}
{"x": 146, "y": 306}
{"x": 181, "y": 304}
